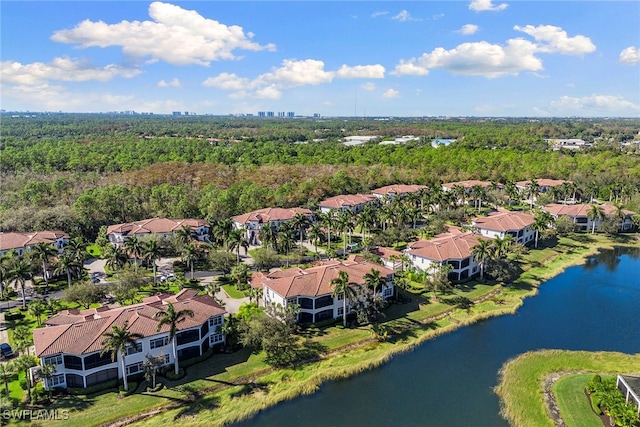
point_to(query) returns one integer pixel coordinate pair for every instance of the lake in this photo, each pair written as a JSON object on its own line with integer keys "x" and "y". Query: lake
{"x": 449, "y": 381}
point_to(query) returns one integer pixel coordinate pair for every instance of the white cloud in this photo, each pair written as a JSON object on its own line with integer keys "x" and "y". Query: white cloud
{"x": 468, "y": 29}
{"x": 361, "y": 72}
{"x": 172, "y": 83}
{"x": 629, "y": 56}
{"x": 292, "y": 73}
{"x": 379, "y": 13}
{"x": 404, "y": 16}
{"x": 594, "y": 105}
{"x": 368, "y": 86}
{"x": 175, "y": 35}
{"x": 391, "y": 93}
{"x": 495, "y": 60}
{"x": 61, "y": 69}
{"x": 486, "y": 5}
{"x": 553, "y": 39}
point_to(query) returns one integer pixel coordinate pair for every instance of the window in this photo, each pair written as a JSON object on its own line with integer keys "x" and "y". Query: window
{"x": 73, "y": 362}
{"x": 340, "y": 296}
{"x": 134, "y": 369}
{"x": 292, "y": 300}
{"x": 214, "y": 321}
{"x": 166, "y": 359}
{"x": 133, "y": 349}
{"x": 56, "y": 380}
{"x": 96, "y": 360}
{"x": 187, "y": 336}
{"x": 159, "y": 342}
{"x": 216, "y": 339}
{"x": 53, "y": 360}
{"x": 387, "y": 292}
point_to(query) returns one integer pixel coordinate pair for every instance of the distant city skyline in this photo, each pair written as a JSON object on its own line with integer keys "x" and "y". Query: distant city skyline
{"x": 332, "y": 59}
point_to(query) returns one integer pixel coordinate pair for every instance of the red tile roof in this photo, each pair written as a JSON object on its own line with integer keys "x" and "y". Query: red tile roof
{"x": 315, "y": 281}
{"x": 505, "y": 221}
{"x": 543, "y": 182}
{"x": 346, "y": 200}
{"x": 469, "y": 183}
{"x": 81, "y": 332}
{"x": 265, "y": 215}
{"x": 581, "y": 209}
{"x": 446, "y": 246}
{"x": 398, "y": 189}
{"x": 12, "y": 240}
{"x": 155, "y": 225}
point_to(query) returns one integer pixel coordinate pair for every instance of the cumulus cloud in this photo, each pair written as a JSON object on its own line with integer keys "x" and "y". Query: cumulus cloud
{"x": 553, "y": 39}
{"x": 391, "y": 93}
{"x": 594, "y": 105}
{"x": 361, "y": 72}
{"x": 494, "y": 60}
{"x": 61, "y": 69}
{"x": 172, "y": 83}
{"x": 486, "y": 5}
{"x": 292, "y": 73}
{"x": 368, "y": 86}
{"x": 174, "y": 35}
{"x": 468, "y": 29}
{"x": 629, "y": 56}
{"x": 404, "y": 16}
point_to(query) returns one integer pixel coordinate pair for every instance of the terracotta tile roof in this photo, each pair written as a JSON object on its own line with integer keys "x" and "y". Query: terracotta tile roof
{"x": 543, "y": 182}
{"x": 265, "y": 215}
{"x": 347, "y": 200}
{"x": 155, "y": 225}
{"x": 83, "y": 331}
{"x": 385, "y": 253}
{"x": 505, "y": 221}
{"x": 316, "y": 281}
{"x": 398, "y": 189}
{"x": 12, "y": 240}
{"x": 581, "y": 209}
{"x": 469, "y": 183}
{"x": 446, "y": 246}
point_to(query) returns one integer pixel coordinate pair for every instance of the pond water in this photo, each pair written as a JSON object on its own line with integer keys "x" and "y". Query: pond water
{"x": 449, "y": 381}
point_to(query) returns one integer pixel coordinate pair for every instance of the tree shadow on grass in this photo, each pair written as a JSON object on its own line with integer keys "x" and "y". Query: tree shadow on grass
{"x": 207, "y": 403}
{"x": 253, "y": 387}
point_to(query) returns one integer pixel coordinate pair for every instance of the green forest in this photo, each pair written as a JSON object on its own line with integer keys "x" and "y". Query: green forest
{"x": 80, "y": 172}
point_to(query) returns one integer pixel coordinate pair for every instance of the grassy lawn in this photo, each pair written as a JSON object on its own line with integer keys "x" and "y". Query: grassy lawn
{"x": 574, "y": 404}
{"x": 521, "y": 382}
{"x": 233, "y": 292}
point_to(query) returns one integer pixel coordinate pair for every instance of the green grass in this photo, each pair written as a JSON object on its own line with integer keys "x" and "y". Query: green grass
{"x": 94, "y": 250}
{"x": 233, "y": 292}
{"x": 575, "y": 407}
{"x": 521, "y": 381}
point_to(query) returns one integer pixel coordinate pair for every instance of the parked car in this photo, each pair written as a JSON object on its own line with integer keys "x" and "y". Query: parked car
{"x": 5, "y": 351}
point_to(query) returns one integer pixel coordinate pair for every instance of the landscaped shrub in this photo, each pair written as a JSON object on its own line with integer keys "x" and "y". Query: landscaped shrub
{"x": 157, "y": 388}
{"x": 190, "y": 362}
{"x": 170, "y": 375}
{"x": 93, "y": 389}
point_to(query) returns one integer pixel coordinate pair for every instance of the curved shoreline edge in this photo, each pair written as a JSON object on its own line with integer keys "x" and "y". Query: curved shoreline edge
{"x": 362, "y": 356}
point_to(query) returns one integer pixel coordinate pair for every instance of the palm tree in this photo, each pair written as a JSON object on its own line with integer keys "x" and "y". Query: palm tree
{"x": 300, "y": 223}
{"x": 42, "y": 252}
{"x": 342, "y": 288}
{"x": 18, "y": 274}
{"x": 595, "y": 213}
{"x": 237, "y": 241}
{"x": 373, "y": 279}
{"x": 6, "y": 370}
{"x": 222, "y": 230}
{"x": 115, "y": 256}
{"x": 66, "y": 263}
{"x": 37, "y": 308}
{"x": 24, "y": 363}
{"x": 541, "y": 222}
{"x": 255, "y": 293}
{"x": 22, "y": 338}
{"x": 501, "y": 246}
{"x": 285, "y": 241}
{"x": 327, "y": 220}
{"x": 171, "y": 318}
{"x": 116, "y": 343}
{"x": 190, "y": 254}
{"x": 366, "y": 219}
{"x": 184, "y": 234}
{"x": 315, "y": 236}
{"x": 135, "y": 248}
{"x": 531, "y": 191}
{"x": 151, "y": 252}
{"x": 481, "y": 253}
{"x": 268, "y": 235}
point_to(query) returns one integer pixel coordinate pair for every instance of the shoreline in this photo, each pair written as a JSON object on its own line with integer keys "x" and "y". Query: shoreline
{"x": 229, "y": 401}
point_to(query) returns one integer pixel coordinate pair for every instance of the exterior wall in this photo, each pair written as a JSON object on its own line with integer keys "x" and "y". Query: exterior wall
{"x": 117, "y": 239}
{"x": 59, "y": 244}
{"x": 462, "y": 268}
{"x": 523, "y": 236}
{"x": 212, "y": 337}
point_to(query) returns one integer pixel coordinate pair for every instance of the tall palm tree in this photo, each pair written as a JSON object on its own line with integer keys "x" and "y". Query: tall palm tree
{"x": 366, "y": 219}
{"x": 171, "y": 318}
{"x": 18, "y": 274}
{"x": 151, "y": 252}
{"x": 481, "y": 253}
{"x": 190, "y": 254}
{"x": 502, "y": 245}
{"x": 531, "y": 191}
{"x": 237, "y": 241}
{"x": 66, "y": 263}
{"x": 595, "y": 213}
{"x": 373, "y": 279}
{"x": 221, "y": 231}
{"x": 285, "y": 240}
{"x": 184, "y": 235}
{"x": 42, "y": 252}
{"x": 37, "y": 308}
{"x": 342, "y": 287}
{"x": 115, "y": 256}
{"x": 328, "y": 220}
{"x": 315, "y": 235}
{"x": 268, "y": 235}
{"x": 116, "y": 342}
{"x": 541, "y": 222}
{"x": 135, "y": 248}
{"x": 300, "y": 223}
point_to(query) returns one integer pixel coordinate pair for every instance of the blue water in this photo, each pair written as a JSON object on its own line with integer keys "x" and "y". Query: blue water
{"x": 449, "y": 381}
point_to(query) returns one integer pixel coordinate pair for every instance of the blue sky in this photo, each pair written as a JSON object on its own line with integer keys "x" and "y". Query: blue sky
{"x": 334, "y": 58}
